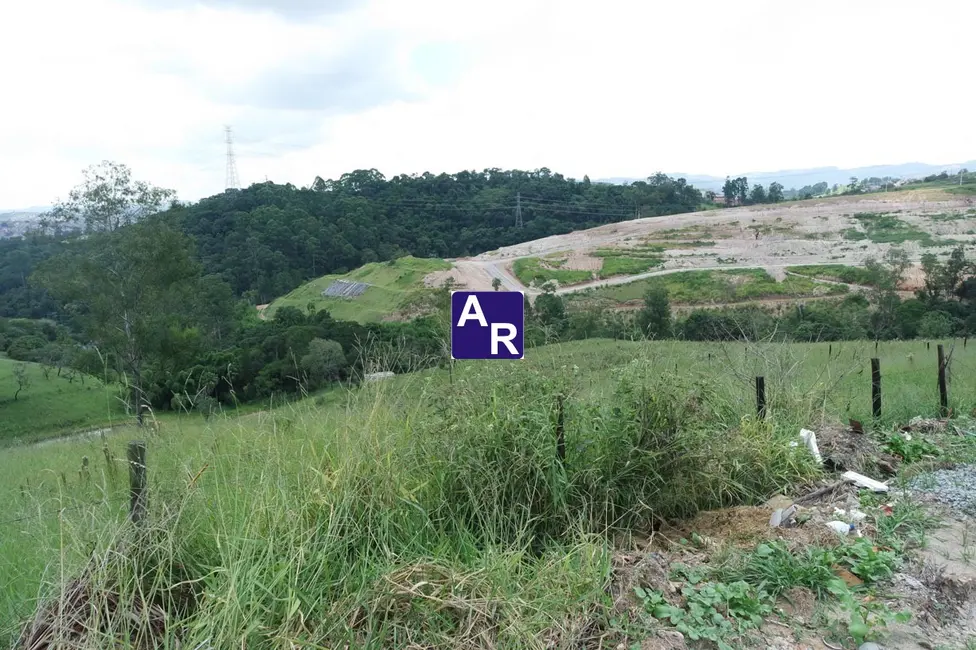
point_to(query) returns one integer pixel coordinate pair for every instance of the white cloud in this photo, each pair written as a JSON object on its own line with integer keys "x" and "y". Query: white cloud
{"x": 610, "y": 88}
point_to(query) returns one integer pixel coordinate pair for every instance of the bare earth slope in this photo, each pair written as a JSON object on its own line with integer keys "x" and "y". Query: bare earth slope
{"x": 819, "y": 231}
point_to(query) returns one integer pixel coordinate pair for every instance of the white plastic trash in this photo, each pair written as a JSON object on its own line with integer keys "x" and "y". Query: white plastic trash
{"x": 863, "y": 481}
{"x": 809, "y": 438}
{"x": 840, "y": 527}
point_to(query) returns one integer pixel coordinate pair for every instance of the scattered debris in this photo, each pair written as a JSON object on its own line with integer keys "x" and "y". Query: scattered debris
{"x": 783, "y": 517}
{"x": 853, "y": 450}
{"x": 855, "y": 516}
{"x": 863, "y": 481}
{"x": 809, "y": 438}
{"x": 925, "y": 425}
{"x": 840, "y": 527}
{"x": 822, "y": 492}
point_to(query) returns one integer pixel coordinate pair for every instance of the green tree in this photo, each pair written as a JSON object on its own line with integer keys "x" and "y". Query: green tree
{"x": 944, "y": 280}
{"x": 758, "y": 194}
{"x": 22, "y": 377}
{"x": 729, "y": 191}
{"x": 496, "y": 283}
{"x": 323, "y": 361}
{"x": 108, "y": 199}
{"x": 741, "y": 190}
{"x": 852, "y": 187}
{"x": 775, "y": 193}
{"x": 654, "y": 319}
{"x": 549, "y": 311}
{"x": 129, "y": 288}
{"x": 885, "y": 276}
{"x": 935, "y": 325}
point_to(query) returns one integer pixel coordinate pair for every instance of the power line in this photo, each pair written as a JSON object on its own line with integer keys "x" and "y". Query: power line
{"x": 518, "y": 211}
{"x": 232, "y": 181}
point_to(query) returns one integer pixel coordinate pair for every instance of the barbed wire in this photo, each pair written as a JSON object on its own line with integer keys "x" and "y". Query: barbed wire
{"x": 60, "y": 511}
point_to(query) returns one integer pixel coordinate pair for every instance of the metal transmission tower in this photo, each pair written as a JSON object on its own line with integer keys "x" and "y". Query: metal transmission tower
{"x": 232, "y": 180}
{"x": 518, "y": 211}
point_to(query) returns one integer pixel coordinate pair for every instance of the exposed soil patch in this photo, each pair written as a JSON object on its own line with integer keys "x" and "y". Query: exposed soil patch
{"x": 799, "y": 233}
{"x": 746, "y": 526}
{"x": 581, "y": 262}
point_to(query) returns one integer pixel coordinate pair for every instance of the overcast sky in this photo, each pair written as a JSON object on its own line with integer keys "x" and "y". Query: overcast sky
{"x": 609, "y": 88}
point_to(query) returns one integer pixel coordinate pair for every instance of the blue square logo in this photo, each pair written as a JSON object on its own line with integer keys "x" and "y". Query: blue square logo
{"x": 487, "y": 325}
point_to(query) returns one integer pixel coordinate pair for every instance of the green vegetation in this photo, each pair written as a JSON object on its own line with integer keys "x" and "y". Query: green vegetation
{"x": 620, "y": 265}
{"x": 700, "y": 287}
{"x": 947, "y": 216}
{"x": 536, "y": 271}
{"x": 316, "y": 512}
{"x": 49, "y": 405}
{"x": 628, "y": 261}
{"x": 393, "y": 285}
{"x": 736, "y": 192}
{"x": 722, "y": 604}
{"x": 694, "y": 234}
{"x": 357, "y": 504}
{"x": 697, "y": 243}
{"x": 882, "y": 228}
{"x": 960, "y": 183}
{"x": 836, "y": 272}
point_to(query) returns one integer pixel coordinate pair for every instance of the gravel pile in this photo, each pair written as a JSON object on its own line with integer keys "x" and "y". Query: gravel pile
{"x": 955, "y": 487}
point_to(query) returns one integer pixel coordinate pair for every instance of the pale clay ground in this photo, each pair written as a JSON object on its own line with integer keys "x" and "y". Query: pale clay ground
{"x": 775, "y": 250}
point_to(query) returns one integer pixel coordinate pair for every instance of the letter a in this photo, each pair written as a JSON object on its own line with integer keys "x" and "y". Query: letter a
{"x": 472, "y": 311}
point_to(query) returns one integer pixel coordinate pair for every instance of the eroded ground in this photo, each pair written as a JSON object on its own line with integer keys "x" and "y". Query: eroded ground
{"x": 842, "y": 230}
{"x": 909, "y": 557}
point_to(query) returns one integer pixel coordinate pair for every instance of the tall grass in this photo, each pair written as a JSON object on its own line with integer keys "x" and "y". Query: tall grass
{"x": 415, "y": 513}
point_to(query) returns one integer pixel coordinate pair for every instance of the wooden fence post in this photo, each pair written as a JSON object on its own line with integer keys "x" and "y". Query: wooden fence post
{"x": 137, "y": 480}
{"x": 943, "y": 393}
{"x": 761, "y": 397}
{"x": 560, "y": 432}
{"x": 876, "y": 388}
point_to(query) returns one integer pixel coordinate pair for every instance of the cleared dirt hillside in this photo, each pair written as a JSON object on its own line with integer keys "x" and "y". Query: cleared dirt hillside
{"x": 841, "y": 230}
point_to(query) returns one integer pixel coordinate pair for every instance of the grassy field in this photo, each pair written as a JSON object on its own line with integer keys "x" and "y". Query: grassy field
{"x": 51, "y": 406}
{"x": 704, "y": 287}
{"x": 433, "y": 509}
{"x": 629, "y": 261}
{"x": 393, "y": 287}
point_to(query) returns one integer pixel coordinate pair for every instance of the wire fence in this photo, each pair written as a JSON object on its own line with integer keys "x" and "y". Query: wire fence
{"x": 841, "y": 371}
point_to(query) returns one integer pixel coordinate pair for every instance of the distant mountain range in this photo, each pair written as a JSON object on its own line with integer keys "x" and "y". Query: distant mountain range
{"x": 797, "y": 178}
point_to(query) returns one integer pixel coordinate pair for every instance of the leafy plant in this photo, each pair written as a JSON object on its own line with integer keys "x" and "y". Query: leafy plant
{"x": 867, "y": 561}
{"x": 713, "y": 611}
{"x": 911, "y": 448}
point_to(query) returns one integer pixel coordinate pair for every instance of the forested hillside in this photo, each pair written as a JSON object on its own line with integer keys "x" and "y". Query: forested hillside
{"x": 268, "y": 239}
